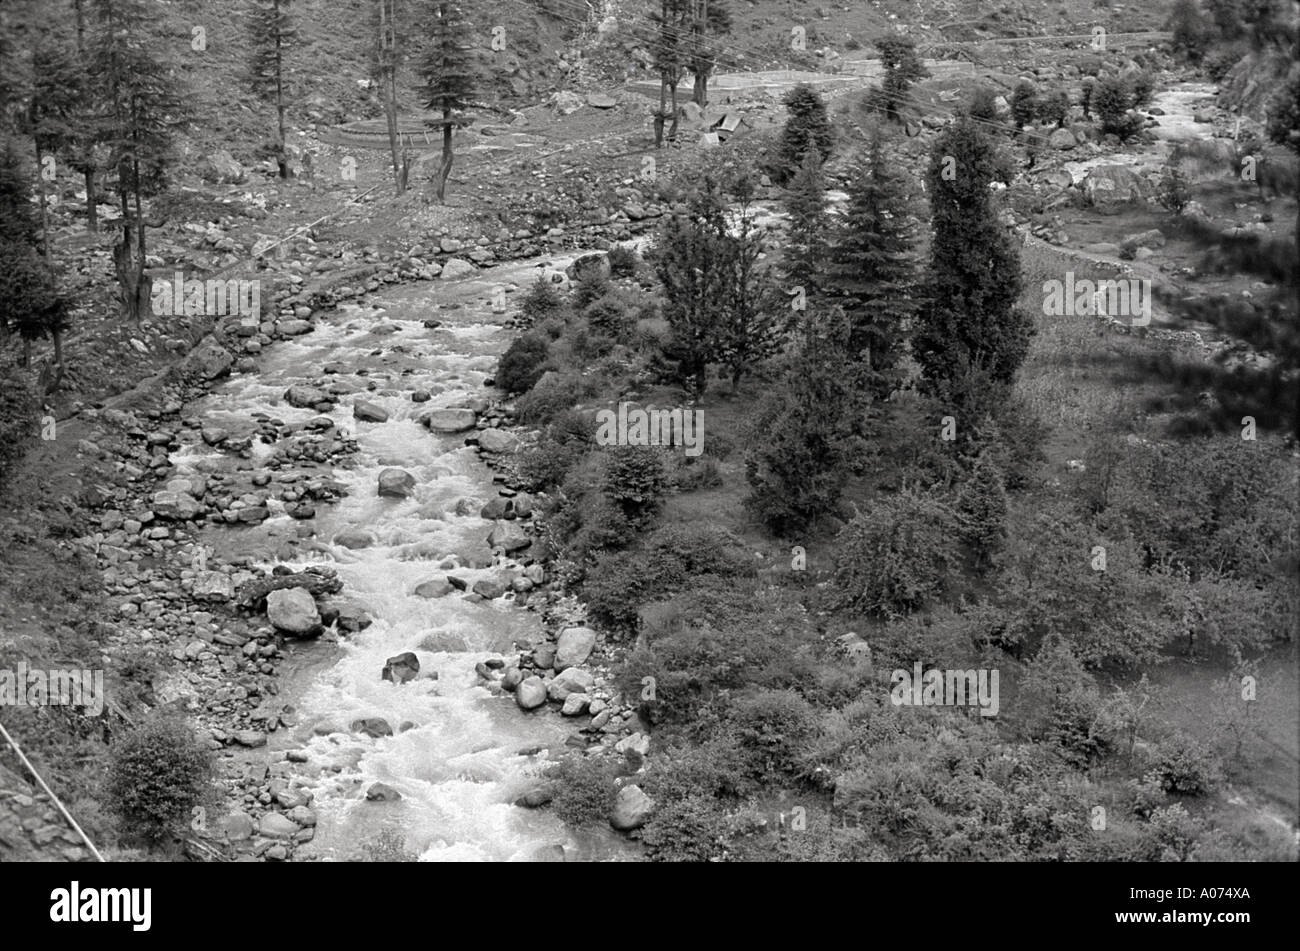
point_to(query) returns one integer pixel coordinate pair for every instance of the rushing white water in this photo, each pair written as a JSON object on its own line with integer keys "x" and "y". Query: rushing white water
{"x": 460, "y": 753}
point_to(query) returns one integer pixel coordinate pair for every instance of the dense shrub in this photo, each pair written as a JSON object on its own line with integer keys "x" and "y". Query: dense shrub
{"x": 772, "y": 726}
{"x": 157, "y": 773}
{"x": 897, "y": 555}
{"x": 610, "y": 316}
{"x": 551, "y": 395}
{"x": 584, "y": 789}
{"x": 541, "y": 302}
{"x": 522, "y": 364}
{"x": 591, "y": 285}
{"x": 693, "y": 829}
{"x": 635, "y": 479}
{"x": 622, "y": 261}
{"x": 1185, "y": 767}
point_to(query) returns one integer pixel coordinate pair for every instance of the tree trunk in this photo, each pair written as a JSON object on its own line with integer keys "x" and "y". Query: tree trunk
{"x": 282, "y": 158}
{"x": 92, "y": 209}
{"x": 672, "y": 129}
{"x": 662, "y": 113}
{"x": 700, "y": 93}
{"x": 445, "y": 171}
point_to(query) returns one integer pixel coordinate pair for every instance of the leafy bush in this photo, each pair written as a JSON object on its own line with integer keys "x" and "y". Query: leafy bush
{"x": 541, "y": 302}
{"x": 157, "y": 773}
{"x": 609, "y": 316}
{"x": 584, "y": 789}
{"x": 896, "y": 557}
{"x": 635, "y": 480}
{"x": 693, "y": 829}
{"x": 549, "y": 396}
{"x": 622, "y": 261}
{"x": 1185, "y": 767}
{"x": 522, "y": 364}
{"x": 1173, "y": 192}
{"x": 772, "y": 726}
{"x": 1113, "y": 98}
{"x": 591, "y": 285}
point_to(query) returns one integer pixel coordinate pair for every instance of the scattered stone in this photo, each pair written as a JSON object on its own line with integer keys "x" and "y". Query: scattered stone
{"x": 400, "y": 669}
{"x": 437, "y": 588}
{"x": 293, "y": 610}
{"x": 273, "y": 825}
{"x": 573, "y": 680}
{"x": 531, "y": 693}
{"x": 396, "y": 483}
{"x": 632, "y": 808}
{"x": 382, "y": 792}
{"x": 574, "y": 646}
{"x": 450, "y": 420}
{"x": 369, "y": 412}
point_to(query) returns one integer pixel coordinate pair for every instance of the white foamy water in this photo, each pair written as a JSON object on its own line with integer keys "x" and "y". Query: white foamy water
{"x": 460, "y": 754}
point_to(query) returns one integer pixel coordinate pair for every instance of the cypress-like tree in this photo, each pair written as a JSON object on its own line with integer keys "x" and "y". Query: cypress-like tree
{"x": 57, "y": 92}
{"x": 271, "y": 33}
{"x": 872, "y": 272}
{"x": 804, "y": 433}
{"x": 448, "y": 75}
{"x": 808, "y": 128}
{"x": 969, "y": 321}
{"x": 29, "y": 304}
{"x": 145, "y": 108}
{"x": 982, "y": 505}
{"x": 692, "y": 258}
{"x": 1024, "y": 103}
{"x": 756, "y": 317}
{"x": 806, "y": 245}
{"x": 902, "y": 69}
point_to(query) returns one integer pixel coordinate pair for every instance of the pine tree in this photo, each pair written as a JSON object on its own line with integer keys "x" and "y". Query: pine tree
{"x": 969, "y": 321}
{"x": 808, "y": 128}
{"x": 806, "y": 244}
{"x": 57, "y": 91}
{"x": 755, "y": 319}
{"x": 271, "y": 34}
{"x": 449, "y": 77}
{"x": 982, "y": 505}
{"x": 692, "y": 260}
{"x": 1024, "y": 103}
{"x": 145, "y": 108}
{"x": 29, "y": 303}
{"x": 902, "y": 69}
{"x": 873, "y": 269}
{"x": 804, "y": 433}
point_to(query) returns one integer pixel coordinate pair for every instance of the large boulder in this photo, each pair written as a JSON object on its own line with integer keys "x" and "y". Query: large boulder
{"x": 450, "y": 420}
{"x": 305, "y": 397}
{"x": 573, "y": 680}
{"x": 497, "y": 440}
{"x": 274, "y": 825}
{"x": 292, "y": 610}
{"x": 175, "y": 505}
{"x": 453, "y": 268}
{"x": 396, "y": 483}
{"x": 489, "y": 588}
{"x": 353, "y": 538}
{"x": 595, "y": 264}
{"x": 220, "y": 168}
{"x": 508, "y": 536}
{"x": 369, "y": 412}
{"x": 531, "y": 693}
{"x": 213, "y": 586}
{"x": 400, "y": 669}
{"x": 632, "y": 808}
{"x": 1061, "y": 139}
{"x": 435, "y": 588}
{"x": 1108, "y": 188}
{"x": 207, "y": 361}
{"x": 574, "y": 647}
